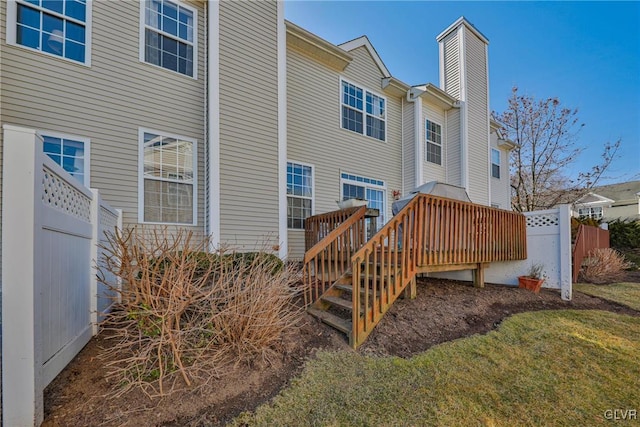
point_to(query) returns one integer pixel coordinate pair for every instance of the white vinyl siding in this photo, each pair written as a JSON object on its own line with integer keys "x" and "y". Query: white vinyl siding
{"x": 341, "y": 150}
{"x": 249, "y": 165}
{"x": 453, "y": 151}
{"x": 478, "y": 118}
{"x": 500, "y": 187}
{"x": 107, "y": 102}
{"x": 57, "y": 28}
{"x": 452, "y": 65}
{"x": 167, "y": 178}
{"x": 433, "y": 142}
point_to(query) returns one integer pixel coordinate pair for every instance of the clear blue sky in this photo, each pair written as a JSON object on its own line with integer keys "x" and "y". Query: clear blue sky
{"x": 587, "y": 54}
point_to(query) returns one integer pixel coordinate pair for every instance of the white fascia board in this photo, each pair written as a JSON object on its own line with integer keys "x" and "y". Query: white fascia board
{"x": 364, "y": 41}
{"x": 462, "y": 21}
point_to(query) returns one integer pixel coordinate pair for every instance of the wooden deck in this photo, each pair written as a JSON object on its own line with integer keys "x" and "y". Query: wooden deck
{"x": 430, "y": 234}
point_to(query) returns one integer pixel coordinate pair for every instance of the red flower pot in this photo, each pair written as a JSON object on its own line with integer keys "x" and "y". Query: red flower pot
{"x": 530, "y": 283}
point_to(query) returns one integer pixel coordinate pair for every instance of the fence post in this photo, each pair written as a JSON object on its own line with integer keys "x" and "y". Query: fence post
{"x": 566, "y": 273}
{"x": 95, "y": 240}
{"x": 22, "y": 401}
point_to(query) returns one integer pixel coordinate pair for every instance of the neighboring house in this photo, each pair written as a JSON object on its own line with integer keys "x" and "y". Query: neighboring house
{"x": 222, "y": 118}
{"x": 609, "y": 202}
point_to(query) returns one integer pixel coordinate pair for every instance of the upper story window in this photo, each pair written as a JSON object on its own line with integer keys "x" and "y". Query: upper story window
{"x": 55, "y": 27}
{"x": 495, "y": 163}
{"x": 299, "y": 194}
{"x": 363, "y": 111}
{"x": 433, "y": 134}
{"x": 71, "y": 153}
{"x": 169, "y": 36}
{"x": 167, "y": 179}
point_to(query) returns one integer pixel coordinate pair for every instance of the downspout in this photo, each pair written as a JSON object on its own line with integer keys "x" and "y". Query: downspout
{"x": 402, "y": 144}
{"x": 213, "y": 121}
{"x": 205, "y": 124}
{"x": 464, "y": 130}
{"x": 413, "y": 95}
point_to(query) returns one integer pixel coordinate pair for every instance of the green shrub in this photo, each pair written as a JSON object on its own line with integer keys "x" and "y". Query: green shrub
{"x": 624, "y": 234}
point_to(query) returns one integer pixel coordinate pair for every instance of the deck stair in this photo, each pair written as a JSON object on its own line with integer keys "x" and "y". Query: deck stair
{"x": 429, "y": 234}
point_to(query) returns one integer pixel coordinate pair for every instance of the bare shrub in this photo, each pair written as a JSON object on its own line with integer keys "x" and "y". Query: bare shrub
{"x": 603, "y": 266}
{"x": 184, "y": 315}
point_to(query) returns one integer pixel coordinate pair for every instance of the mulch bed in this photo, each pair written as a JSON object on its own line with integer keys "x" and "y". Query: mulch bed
{"x": 443, "y": 311}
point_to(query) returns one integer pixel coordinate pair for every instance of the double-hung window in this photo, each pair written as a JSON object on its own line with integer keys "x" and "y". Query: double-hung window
{"x": 592, "y": 213}
{"x": 371, "y": 190}
{"x": 363, "y": 111}
{"x": 299, "y": 194}
{"x": 495, "y": 163}
{"x": 433, "y": 134}
{"x": 168, "y": 178}
{"x": 55, "y": 27}
{"x": 71, "y": 153}
{"x": 169, "y": 36}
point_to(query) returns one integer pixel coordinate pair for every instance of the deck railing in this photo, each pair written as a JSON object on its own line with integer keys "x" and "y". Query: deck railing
{"x": 317, "y": 227}
{"x": 330, "y": 257}
{"x": 588, "y": 238}
{"x": 428, "y": 231}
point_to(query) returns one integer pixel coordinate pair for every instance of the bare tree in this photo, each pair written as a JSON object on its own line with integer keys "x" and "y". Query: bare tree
{"x": 546, "y": 134}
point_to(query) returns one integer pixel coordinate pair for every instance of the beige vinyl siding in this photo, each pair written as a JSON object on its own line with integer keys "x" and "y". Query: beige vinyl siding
{"x": 478, "y": 119}
{"x": 453, "y": 147}
{"x": 315, "y": 135}
{"x": 409, "y": 144}
{"x": 108, "y": 101}
{"x": 248, "y": 124}
{"x": 432, "y": 171}
{"x": 452, "y": 65}
{"x": 500, "y": 188}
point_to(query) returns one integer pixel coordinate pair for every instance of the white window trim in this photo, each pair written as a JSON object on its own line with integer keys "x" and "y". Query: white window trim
{"x": 12, "y": 10}
{"x": 591, "y": 212}
{"x": 141, "y": 132}
{"x": 364, "y": 184}
{"x": 313, "y": 191}
{"x": 87, "y": 150}
{"x": 364, "y": 109}
{"x": 141, "y": 45}
{"x": 427, "y": 142}
{"x": 498, "y": 164}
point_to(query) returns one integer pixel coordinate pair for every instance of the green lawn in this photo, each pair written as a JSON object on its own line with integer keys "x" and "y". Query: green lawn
{"x": 623, "y": 293}
{"x": 539, "y": 368}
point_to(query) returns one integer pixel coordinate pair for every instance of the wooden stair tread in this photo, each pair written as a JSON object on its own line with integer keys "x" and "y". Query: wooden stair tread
{"x": 332, "y": 320}
{"x": 339, "y": 302}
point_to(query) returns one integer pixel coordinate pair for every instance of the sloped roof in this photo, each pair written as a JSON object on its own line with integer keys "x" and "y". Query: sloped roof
{"x": 621, "y": 193}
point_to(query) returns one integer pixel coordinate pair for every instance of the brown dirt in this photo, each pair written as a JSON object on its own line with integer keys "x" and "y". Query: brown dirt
{"x": 443, "y": 311}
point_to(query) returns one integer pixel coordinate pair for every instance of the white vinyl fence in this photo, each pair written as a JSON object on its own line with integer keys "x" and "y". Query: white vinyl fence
{"x": 548, "y": 244}
{"x": 51, "y": 227}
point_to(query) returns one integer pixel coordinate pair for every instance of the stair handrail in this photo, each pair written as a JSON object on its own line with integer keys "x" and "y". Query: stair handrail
{"x": 399, "y": 261}
{"x": 331, "y": 256}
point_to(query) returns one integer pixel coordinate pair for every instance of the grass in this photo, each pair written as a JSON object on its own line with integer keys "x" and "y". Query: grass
{"x": 539, "y": 368}
{"x": 623, "y": 293}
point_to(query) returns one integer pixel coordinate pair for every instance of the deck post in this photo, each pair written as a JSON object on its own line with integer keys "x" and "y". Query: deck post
{"x": 410, "y": 291}
{"x": 478, "y": 276}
